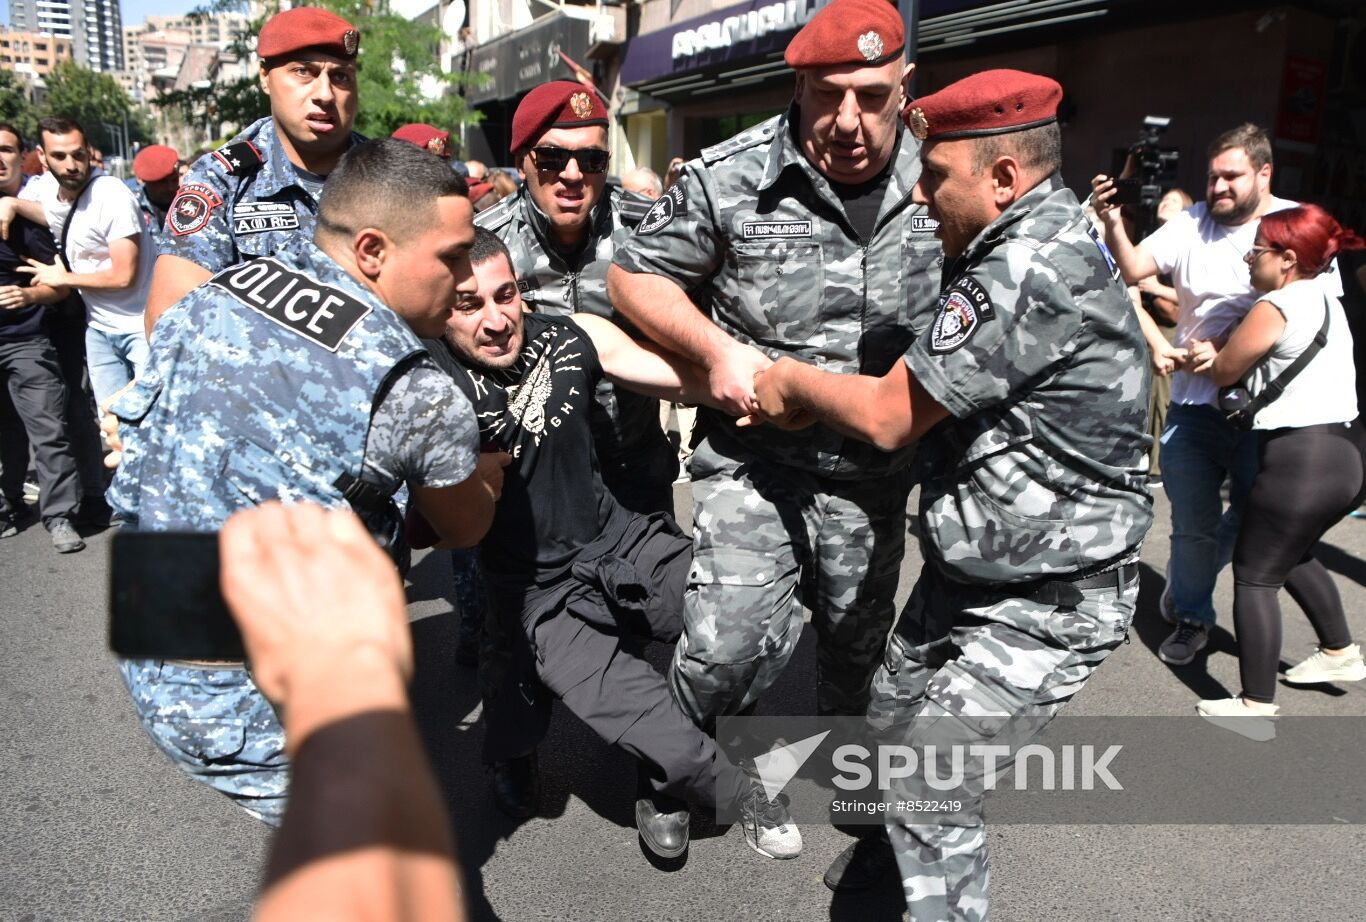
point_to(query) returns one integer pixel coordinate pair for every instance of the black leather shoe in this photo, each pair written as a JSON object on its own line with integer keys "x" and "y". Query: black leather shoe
{"x": 665, "y": 834}
{"x": 863, "y": 865}
{"x": 516, "y": 786}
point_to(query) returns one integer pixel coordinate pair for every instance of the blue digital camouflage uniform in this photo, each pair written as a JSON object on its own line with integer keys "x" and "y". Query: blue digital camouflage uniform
{"x": 152, "y": 216}
{"x": 263, "y": 384}
{"x": 764, "y": 247}
{"x": 243, "y": 200}
{"x": 1033, "y": 508}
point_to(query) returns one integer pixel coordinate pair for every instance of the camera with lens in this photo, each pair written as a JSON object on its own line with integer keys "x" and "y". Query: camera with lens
{"x": 1155, "y": 165}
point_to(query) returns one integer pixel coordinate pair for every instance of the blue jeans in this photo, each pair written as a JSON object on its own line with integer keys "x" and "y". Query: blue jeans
{"x": 113, "y": 359}
{"x": 1199, "y": 450}
{"x": 216, "y": 726}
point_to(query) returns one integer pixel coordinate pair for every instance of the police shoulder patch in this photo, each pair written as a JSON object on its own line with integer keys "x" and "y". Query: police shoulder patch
{"x": 239, "y": 158}
{"x": 191, "y": 208}
{"x": 671, "y": 204}
{"x": 962, "y": 310}
{"x": 298, "y": 302}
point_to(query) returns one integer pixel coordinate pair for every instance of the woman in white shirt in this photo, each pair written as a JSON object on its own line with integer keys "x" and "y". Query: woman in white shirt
{"x": 1312, "y": 452}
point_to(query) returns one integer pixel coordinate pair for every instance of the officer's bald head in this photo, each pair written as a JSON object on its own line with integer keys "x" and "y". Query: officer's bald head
{"x": 386, "y": 184}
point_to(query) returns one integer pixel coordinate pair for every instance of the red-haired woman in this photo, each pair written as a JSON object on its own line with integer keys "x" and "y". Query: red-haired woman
{"x": 1312, "y": 453}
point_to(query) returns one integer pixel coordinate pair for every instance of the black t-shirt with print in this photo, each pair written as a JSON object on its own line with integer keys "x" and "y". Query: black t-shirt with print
{"x": 554, "y": 503}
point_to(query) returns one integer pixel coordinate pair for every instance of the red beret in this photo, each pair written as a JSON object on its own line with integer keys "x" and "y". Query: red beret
{"x": 426, "y": 137}
{"x": 557, "y": 104}
{"x": 479, "y": 189}
{"x": 990, "y": 102}
{"x": 155, "y": 162}
{"x": 868, "y": 33}
{"x": 307, "y": 27}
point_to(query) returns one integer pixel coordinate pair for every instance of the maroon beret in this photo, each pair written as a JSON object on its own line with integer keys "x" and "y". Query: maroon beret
{"x": 427, "y": 137}
{"x": 155, "y": 162}
{"x": 868, "y": 33}
{"x": 990, "y": 102}
{"x": 557, "y": 104}
{"x": 307, "y": 27}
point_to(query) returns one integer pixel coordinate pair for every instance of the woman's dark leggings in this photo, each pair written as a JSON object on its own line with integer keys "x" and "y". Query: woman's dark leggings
{"x": 1309, "y": 479}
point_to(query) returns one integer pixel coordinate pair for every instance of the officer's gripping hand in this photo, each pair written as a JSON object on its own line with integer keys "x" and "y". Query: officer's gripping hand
{"x": 315, "y": 598}
{"x": 775, "y": 408}
{"x": 490, "y": 470}
{"x": 730, "y": 378}
{"x": 109, "y": 428}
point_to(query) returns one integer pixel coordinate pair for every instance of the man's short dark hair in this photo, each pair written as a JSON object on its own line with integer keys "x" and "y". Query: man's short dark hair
{"x": 1250, "y": 138}
{"x": 59, "y": 124}
{"x": 6, "y": 126}
{"x": 1038, "y": 150}
{"x": 488, "y": 246}
{"x": 386, "y": 184}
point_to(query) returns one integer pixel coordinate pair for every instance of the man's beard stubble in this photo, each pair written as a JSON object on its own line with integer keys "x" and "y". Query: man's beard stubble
{"x": 1241, "y": 212}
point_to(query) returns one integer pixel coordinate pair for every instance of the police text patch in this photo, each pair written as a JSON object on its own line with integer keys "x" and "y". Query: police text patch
{"x": 191, "y": 209}
{"x": 923, "y": 225}
{"x": 295, "y": 301}
{"x": 667, "y": 207}
{"x": 259, "y": 217}
{"x": 962, "y": 309}
{"x": 763, "y": 230}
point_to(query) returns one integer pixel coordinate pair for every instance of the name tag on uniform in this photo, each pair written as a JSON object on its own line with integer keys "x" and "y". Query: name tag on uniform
{"x": 923, "y": 225}
{"x": 764, "y": 230}
{"x": 295, "y": 301}
{"x": 259, "y": 217}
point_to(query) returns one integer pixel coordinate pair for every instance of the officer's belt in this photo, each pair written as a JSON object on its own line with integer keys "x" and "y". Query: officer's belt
{"x": 1066, "y": 591}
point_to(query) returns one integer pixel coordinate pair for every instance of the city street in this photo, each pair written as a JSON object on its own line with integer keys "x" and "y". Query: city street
{"x": 96, "y": 825}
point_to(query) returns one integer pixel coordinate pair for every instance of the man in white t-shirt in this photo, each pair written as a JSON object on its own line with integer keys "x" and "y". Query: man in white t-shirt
{"x": 1202, "y": 250}
{"x": 107, "y": 251}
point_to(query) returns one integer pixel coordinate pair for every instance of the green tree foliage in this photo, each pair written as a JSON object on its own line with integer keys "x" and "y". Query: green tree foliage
{"x": 15, "y": 108}
{"x": 93, "y": 99}
{"x": 398, "y": 58}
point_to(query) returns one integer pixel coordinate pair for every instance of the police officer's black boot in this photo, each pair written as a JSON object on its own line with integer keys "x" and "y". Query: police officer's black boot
{"x": 661, "y": 821}
{"x": 862, "y": 865}
{"x": 516, "y": 785}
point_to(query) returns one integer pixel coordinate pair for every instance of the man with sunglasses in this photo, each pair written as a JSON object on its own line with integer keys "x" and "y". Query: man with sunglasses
{"x": 252, "y": 196}
{"x": 562, "y": 228}
{"x": 797, "y": 237}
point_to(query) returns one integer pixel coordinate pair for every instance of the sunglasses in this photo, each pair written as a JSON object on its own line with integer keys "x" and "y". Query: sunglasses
{"x": 554, "y": 159}
{"x": 1251, "y": 255}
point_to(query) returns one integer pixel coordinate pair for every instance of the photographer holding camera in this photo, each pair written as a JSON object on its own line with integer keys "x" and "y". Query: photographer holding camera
{"x": 1202, "y": 249}
{"x": 1294, "y": 354}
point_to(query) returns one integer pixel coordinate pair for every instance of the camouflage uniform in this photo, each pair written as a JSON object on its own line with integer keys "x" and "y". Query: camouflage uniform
{"x": 1034, "y": 508}
{"x": 243, "y": 200}
{"x": 152, "y": 216}
{"x": 638, "y": 464}
{"x": 764, "y": 247}
{"x": 208, "y": 431}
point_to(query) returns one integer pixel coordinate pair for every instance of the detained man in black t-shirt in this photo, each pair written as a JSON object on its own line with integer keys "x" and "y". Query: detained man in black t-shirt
{"x": 579, "y": 583}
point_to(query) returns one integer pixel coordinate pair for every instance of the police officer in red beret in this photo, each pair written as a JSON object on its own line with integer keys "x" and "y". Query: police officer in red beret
{"x": 157, "y": 170}
{"x": 261, "y": 189}
{"x": 1027, "y": 393}
{"x": 428, "y": 137}
{"x": 797, "y": 238}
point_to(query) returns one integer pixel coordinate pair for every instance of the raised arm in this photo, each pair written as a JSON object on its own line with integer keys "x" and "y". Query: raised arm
{"x": 645, "y": 368}
{"x": 1135, "y": 263}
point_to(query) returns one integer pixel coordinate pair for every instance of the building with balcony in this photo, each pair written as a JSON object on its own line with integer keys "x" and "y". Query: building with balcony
{"x": 33, "y": 53}
{"x": 93, "y": 27}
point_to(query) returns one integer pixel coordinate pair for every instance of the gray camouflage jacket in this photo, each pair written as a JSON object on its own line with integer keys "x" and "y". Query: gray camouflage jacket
{"x": 763, "y": 246}
{"x": 1037, "y": 354}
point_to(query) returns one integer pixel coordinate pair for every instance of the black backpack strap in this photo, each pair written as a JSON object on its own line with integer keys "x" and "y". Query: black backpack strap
{"x": 66, "y": 225}
{"x": 1277, "y": 386}
{"x": 363, "y": 496}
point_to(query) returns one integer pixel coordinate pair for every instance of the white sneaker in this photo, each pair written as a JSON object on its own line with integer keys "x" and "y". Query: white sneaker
{"x": 1346, "y": 666}
{"x": 1251, "y": 719}
{"x": 768, "y": 827}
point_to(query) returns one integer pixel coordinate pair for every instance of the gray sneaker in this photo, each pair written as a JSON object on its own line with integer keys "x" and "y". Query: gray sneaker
{"x": 64, "y": 537}
{"x": 1186, "y": 641}
{"x": 768, "y": 826}
{"x": 1347, "y": 666}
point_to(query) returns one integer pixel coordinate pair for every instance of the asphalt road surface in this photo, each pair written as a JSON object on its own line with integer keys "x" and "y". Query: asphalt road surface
{"x": 95, "y": 824}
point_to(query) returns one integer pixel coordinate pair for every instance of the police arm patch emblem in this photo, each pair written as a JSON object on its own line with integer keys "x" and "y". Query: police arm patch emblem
{"x": 297, "y": 302}
{"x": 668, "y": 206}
{"x": 962, "y": 310}
{"x": 191, "y": 209}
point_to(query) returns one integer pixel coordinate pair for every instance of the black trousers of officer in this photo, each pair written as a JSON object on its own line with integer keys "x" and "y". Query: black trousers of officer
{"x": 582, "y": 641}
{"x": 33, "y": 382}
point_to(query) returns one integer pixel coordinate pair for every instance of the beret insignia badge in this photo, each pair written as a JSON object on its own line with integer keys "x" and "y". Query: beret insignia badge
{"x": 581, "y": 104}
{"x": 919, "y": 125}
{"x": 351, "y": 41}
{"x": 870, "y": 46}
{"x": 437, "y": 146}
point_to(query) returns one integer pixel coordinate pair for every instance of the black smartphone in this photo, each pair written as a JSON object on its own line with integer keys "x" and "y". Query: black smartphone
{"x": 1127, "y": 191}
{"x": 164, "y": 599}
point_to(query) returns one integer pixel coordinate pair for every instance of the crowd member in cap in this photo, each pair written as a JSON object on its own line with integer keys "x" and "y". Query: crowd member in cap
{"x": 261, "y": 190}
{"x": 580, "y": 583}
{"x": 427, "y": 137}
{"x": 797, "y": 238}
{"x": 157, "y": 169}
{"x": 1028, "y": 394}
{"x": 300, "y": 377}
